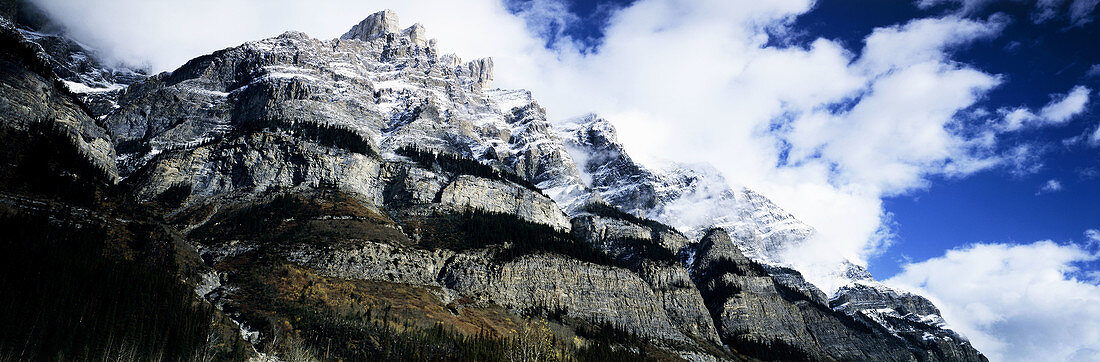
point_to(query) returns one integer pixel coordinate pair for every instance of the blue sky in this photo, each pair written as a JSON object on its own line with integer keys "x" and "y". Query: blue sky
{"x": 1007, "y": 249}
{"x": 997, "y": 205}
{"x": 1036, "y": 60}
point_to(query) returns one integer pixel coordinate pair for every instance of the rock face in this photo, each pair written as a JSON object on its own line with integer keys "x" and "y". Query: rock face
{"x": 906, "y": 315}
{"x": 690, "y": 198}
{"x": 591, "y": 292}
{"x": 376, "y": 261}
{"x": 375, "y": 26}
{"x": 338, "y": 111}
{"x": 670, "y": 280}
{"x": 495, "y": 196}
{"x": 693, "y": 198}
{"x": 754, "y": 310}
{"x": 81, "y": 69}
{"x": 35, "y": 101}
{"x": 218, "y": 170}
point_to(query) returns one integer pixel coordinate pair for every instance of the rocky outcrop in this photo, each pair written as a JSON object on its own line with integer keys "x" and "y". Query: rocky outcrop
{"x": 481, "y": 70}
{"x": 690, "y": 198}
{"x": 670, "y": 281}
{"x": 682, "y": 302}
{"x": 260, "y": 162}
{"x": 753, "y": 310}
{"x": 905, "y": 315}
{"x": 374, "y": 261}
{"x": 335, "y": 108}
{"x": 604, "y": 232}
{"x": 82, "y": 70}
{"x": 33, "y": 100}
{"x": 374, "y": 26}
{"x": 582, "y": 290}
{"x": 467, "y": 191}
{"x": 412, "y": 185}
{"x": 792, "y": 279}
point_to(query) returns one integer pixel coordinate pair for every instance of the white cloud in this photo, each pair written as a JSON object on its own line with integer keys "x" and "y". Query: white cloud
{"x": 1024, "y": 159}
{"x": 1061, "y": 109}
{"x": 547, "y": 18}
{"x": 923, "y": 40}
{"x": 1050, "y": 186}
{"x": 1093, "y": 236}
{"x": 1015, "y": 302}
{"x": 1093, "y": 71}
{"x": 1072, "y": 104}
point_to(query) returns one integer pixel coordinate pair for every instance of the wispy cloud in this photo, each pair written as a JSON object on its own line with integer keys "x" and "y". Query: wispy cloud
{"x": 1093, "y": 71}
{"x": 1050, "y": 186}
{"x": 1078, "y": 12}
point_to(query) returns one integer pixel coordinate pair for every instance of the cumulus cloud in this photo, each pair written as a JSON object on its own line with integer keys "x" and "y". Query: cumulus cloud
{"x": 1072, "y": 104}
{"x": 1015, "y": 302}
{"x": 823, "y": 131}
{"x": 1061, "y": 109}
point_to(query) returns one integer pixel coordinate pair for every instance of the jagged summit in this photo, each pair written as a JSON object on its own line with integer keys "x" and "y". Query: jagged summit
{"x": 383, "y": 23}
{"x": 691, "y": 198}
{"x": 386, "y": 25}
{"x": 374, "y": 26}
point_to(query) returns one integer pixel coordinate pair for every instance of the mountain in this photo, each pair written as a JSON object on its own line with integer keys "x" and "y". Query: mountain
{"x": 691, "y": 198}
{"x": 371, "y": 197}
{"x": 696, "y": 199}
{"x": 96, "y": 82}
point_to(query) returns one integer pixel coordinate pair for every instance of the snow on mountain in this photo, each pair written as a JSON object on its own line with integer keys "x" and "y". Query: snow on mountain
{"x": 81, "y": 68}
{"x": 695, "y": 198}
{"x": 393, "y": 88}
{"x": 691, "y": 198}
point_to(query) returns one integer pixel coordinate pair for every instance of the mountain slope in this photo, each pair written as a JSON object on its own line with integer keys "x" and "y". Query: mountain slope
{"x": 368, "y": 197}
{"x": 696, "y": 198}
{"x": 690, "y": 198}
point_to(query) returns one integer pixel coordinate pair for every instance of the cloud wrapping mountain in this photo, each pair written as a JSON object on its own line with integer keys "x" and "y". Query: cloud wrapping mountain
{"x": 825, "y": 129}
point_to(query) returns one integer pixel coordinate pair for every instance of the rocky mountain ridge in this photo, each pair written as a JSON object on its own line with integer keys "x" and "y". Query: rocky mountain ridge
{"x": 372, "y": 160}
